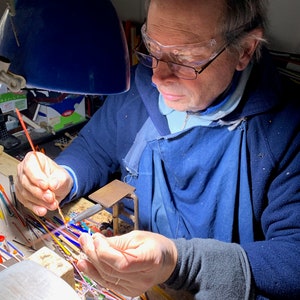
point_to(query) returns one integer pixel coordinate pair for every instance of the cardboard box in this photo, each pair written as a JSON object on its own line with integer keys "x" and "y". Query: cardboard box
{"x": 10, "y": 101}
{"x": 63, "y": 114}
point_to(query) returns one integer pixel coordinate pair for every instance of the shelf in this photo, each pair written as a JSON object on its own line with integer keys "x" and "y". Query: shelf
{"x": 44, "y": 140}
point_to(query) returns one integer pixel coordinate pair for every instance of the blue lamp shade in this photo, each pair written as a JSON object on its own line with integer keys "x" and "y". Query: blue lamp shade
{"x": 71, "y": 46}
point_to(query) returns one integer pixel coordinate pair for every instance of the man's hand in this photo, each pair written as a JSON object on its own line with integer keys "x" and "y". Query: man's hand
{"x": 130, "y": 264}
{"x": 41, "y": 186}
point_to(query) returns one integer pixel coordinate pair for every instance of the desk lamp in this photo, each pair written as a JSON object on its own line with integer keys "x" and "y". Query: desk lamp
{"x": 69, "y": 46}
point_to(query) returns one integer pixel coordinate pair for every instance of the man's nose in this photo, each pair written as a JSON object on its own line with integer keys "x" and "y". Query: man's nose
{"x": 163, "y": 71}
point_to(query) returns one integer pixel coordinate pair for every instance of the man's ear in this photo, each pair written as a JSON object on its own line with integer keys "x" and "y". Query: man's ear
{"x": 249, "y": 45}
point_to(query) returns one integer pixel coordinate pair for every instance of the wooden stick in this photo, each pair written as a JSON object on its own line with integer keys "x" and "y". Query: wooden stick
{"x": 28, "y": 136}
{"x": 34, "y": 151}
{"x": 61, "y": 214}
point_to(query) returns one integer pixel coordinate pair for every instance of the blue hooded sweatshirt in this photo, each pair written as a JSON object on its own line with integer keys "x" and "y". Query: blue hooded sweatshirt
{"x": 228, "y": 197}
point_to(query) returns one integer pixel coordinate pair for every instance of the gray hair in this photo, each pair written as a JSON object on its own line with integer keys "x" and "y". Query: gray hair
{"x": 240, "y": 18}
{"x": 245, "y": 15}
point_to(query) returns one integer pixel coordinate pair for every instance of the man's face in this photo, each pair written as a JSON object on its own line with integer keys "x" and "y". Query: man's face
{"x": 181, "y": 22}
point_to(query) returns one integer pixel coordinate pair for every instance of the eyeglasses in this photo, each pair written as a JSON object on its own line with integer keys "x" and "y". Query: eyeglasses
{"x": 198, "y": 56}
{"x": 179, "y": 70}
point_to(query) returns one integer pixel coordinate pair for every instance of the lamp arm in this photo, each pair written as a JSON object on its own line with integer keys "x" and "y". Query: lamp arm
{"x": 11, "y": 7}
{"x": 14, "y": 82}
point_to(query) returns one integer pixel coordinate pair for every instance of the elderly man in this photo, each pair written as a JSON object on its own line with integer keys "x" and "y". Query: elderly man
{"x": 211, "y": 143}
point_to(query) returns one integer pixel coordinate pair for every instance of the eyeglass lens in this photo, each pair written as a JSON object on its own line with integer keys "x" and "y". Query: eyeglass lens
{"x": 181, "y": 71}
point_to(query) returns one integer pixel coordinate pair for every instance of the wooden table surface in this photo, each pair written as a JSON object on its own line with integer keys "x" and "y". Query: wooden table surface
{"x": 8, "y": 166}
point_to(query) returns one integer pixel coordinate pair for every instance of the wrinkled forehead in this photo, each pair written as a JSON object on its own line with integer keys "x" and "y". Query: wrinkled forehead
{"x": 195, "y": 49}
{"x": 184, "y": 20}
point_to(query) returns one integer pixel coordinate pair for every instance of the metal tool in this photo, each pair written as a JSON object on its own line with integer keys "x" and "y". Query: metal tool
{"x": 86, "y": 214}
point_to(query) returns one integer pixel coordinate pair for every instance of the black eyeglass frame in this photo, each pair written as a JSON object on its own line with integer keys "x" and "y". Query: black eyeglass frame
{"x": 170, "y": 63}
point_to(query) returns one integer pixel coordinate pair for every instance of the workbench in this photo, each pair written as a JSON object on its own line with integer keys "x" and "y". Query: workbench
{"x": 30, "y": 247}
{"x": 8, "y": 166}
